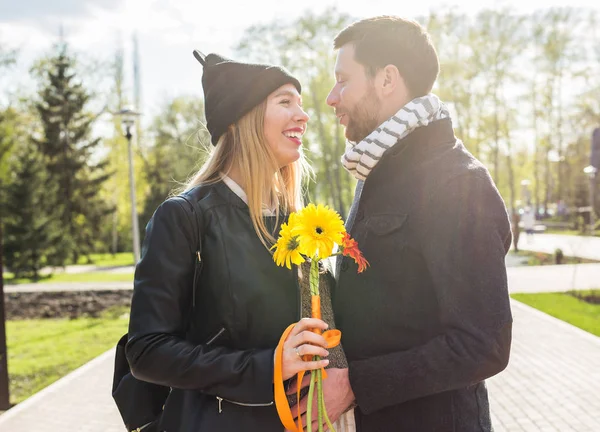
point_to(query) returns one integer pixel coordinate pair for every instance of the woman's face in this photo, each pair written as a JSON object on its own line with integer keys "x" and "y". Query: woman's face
{"x": 285, "y": 123}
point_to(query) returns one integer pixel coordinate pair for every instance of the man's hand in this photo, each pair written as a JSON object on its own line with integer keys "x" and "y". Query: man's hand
{"x": 337, "y": 393}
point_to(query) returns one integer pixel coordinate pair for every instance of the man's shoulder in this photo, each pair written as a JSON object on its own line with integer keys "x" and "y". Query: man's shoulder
{"x": 469, "y": 191}
{"x": 456, "y": 167}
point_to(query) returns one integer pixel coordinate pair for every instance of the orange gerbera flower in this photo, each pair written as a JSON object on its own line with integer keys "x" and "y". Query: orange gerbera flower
{"x": 350, "y": 249}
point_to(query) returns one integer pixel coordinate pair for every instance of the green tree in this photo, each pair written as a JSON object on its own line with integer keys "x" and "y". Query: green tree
{"x": 7, "y": 139}
{"x": 522, "y": 88}
{"x": 557, "y": 36}
{"x": 71, "y": 157}
{"x": 30, "y": 230}
{"x": 505, "y": 77}
{"x": 461, "y": 49}
{"x": 179, "y": 144}
{"x": 305, "y": 46}
{"x": 7, "y": 121}
{"x": 506, "y": 44}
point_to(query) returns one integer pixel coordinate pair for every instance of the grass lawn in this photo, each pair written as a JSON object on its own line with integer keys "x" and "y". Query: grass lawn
{"x": 77, "y": 277}
{"x": 42, "y": 351}
{"x": 569, "y": 232}
{"x": 100, "y": 260}
{"x": 567, "y": 308}
{"x": 109, "y": 260}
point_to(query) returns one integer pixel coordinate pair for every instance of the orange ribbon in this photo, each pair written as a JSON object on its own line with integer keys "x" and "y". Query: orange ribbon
{"x": 333, "y": 338}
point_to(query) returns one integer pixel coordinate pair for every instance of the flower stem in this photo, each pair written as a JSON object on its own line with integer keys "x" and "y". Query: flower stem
{"x": 327, "y": 420}
{"x": 311, "y": 392}
{"x": 320, "y": 403}
{"x": 314, "y": 276}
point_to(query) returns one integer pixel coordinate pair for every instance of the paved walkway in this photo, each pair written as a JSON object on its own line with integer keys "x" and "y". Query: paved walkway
{"x": 81, "y": 402}
{"x": 552, "y": 278}
{"x": 551, "y": 384}
{"x": 520, "y": 280}
{"x": 576, "y": 246}
{"x": 87, "y": 268}
{"x": 68, "y": 286}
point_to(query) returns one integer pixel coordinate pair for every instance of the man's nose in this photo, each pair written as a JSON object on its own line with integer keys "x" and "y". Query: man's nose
{"x": 333, "y": 97}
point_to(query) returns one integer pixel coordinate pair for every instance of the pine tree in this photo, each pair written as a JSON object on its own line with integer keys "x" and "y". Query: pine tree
{"x": 7, "y": 137}
{"x": 31, "y": 232}
{"x": 69, "y": 152}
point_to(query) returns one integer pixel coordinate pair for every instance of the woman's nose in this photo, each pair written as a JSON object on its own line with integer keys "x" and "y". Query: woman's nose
{"x": 302, "y": 116}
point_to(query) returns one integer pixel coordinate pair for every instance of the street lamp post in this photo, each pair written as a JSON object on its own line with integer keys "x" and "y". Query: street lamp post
{"x": 128, "y": 117}
{"x": 4, "y": 394}
{"x": 591, "y": 171}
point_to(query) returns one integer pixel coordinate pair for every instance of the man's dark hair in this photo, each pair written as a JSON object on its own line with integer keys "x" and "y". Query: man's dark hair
{"x": 385, "y": 40}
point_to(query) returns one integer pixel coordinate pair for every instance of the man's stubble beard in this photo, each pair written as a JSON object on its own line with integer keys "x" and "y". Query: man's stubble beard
{"x": 364, "y": 117}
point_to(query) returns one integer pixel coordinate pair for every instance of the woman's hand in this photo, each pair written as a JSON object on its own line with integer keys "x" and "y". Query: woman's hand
{"x": 302, "y": 341}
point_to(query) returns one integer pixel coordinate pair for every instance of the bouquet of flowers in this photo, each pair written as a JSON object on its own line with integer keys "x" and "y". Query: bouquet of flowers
{"x": 312, "y": 233}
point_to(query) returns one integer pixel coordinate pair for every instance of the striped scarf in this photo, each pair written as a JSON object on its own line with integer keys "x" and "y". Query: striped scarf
{"x": 360, "y": 158}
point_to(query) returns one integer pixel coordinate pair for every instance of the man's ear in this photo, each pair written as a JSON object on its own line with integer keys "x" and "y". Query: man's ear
{"x": 392, "y": 80}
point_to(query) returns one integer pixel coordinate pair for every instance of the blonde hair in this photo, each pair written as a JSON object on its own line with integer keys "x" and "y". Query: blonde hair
{"x": 245, "y": 147}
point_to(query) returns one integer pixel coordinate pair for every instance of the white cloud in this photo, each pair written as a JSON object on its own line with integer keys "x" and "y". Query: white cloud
{"x": 50, "y": 14}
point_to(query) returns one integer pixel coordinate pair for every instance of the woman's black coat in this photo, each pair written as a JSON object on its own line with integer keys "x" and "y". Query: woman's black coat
{"x": 242, "y": 297}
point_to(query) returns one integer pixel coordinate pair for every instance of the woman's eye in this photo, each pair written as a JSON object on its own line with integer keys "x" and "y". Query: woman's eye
{"x": 285, "y": 101}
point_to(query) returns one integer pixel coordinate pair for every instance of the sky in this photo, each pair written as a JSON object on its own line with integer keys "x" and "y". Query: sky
{"x": 168, "y": 31}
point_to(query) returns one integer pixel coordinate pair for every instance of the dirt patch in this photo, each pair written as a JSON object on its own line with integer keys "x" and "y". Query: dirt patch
{"x": 588, "y": 297}
{"x": 593, "y": 299}
{"x": 63, "y": 304}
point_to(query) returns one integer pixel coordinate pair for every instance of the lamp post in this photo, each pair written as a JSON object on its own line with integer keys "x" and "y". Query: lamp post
{"x": 591, "y": 171}
{"x": 128, "y": 117}
{"x": 4, "y": 394}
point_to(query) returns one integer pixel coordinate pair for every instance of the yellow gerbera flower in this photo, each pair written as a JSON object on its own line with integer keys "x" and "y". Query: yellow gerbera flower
{"x": 318, "y": 228}
{"x": 287, "y": 246}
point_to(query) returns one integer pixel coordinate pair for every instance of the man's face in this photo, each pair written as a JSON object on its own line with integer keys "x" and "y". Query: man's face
{"x": 353, "y": 97}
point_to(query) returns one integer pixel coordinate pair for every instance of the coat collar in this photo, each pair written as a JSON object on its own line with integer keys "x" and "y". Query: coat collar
{"x": 421, "y": 144}
{"x": 434, "y": 134}
{"x": 229, "y": 196}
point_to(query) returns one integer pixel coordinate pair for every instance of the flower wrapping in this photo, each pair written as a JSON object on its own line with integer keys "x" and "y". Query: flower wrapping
{"x": 312, "y": 233}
